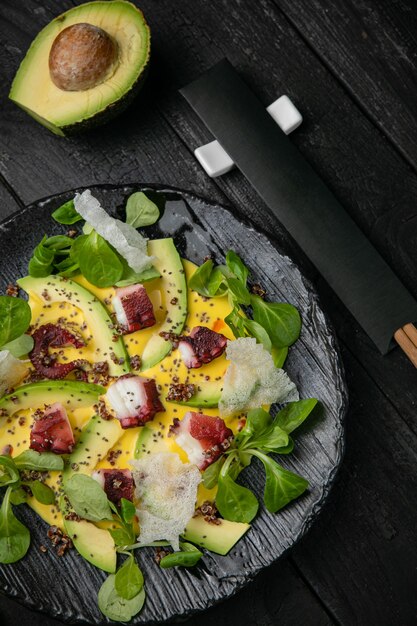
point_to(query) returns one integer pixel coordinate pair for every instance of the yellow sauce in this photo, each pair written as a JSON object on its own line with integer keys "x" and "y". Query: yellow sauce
{"x": 211, "y": 313}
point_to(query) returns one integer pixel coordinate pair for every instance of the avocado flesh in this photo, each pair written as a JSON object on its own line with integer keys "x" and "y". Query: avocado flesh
{"x": 98, "y": 320}
{"x": 70, "y": 393}
{"x": 65, "y": 112}
{"x": 169, "y": 265}
{"x": 219, "y": 538}
{"x": 96, "y": 439}
{"x": 95, "y": 544}
{"x": 207, "y": 396}
{"x": 144, "y": 437}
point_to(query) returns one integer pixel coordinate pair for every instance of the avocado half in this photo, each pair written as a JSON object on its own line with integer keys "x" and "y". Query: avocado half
{"x": 65, "y": 112}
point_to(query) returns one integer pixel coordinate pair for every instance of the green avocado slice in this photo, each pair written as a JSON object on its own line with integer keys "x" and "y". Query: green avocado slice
{"x": 169, "y": 265}
{"x": 59, "y": 289}
{"x": 95, "y": 544}
{"x": 219, "y": 538}
{"x": 207, "y": 395}
{"x": 96, "y": 439}
{"x": 144, "y": 438}
{"x": 66, "y": 112}
{"x": 71, "y": 394}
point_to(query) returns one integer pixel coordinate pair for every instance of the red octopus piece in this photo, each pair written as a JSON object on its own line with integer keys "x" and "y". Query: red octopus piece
{"x": 45, "y": 363}
{"x": 201, "y": 346}
{"x": 134, "y": 400}
{"x": 117, "y": 483}
{"x": 133, "y": 308}
{"x": 52, "y": 431}
{"x": 203, "y": 437}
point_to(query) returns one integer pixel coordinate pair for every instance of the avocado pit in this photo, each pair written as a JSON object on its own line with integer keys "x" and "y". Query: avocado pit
{"x": 82, "y": 56}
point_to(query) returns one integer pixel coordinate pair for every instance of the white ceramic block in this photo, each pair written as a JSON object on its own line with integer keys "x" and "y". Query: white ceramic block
{"x": 215, "y": 160}
{"x": 286, "y": 115}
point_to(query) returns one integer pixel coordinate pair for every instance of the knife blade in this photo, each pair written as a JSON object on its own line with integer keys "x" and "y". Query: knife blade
{"x": 301, "y": 201}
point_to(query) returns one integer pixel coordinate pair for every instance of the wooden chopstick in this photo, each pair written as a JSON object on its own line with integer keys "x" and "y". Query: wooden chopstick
{"x": 406, "y": 337}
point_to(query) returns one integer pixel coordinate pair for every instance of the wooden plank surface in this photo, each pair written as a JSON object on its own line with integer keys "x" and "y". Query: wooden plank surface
{"x": 350, "y": 67}
{"x": 372, "y": 49}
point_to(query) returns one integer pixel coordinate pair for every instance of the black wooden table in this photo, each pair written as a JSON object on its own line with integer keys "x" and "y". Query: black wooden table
{"x": 350, "y": 66}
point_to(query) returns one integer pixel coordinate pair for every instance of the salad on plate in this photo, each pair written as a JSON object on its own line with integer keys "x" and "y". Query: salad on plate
{"x": 135, "y": 387}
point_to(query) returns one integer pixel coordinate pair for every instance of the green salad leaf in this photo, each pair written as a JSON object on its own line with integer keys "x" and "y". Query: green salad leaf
{"x": 122, "y": 537}
{"x": 39, "y": 461}
{"x": 66, "y": 214}
{"x": 140, "y": 210}
{"x": 211, "y": 474}
{"x": 294, "y": 413}
{"x": 260, "y": 436}
{"x": 129, "y": 579}
{"x": 99, "y": 262}
{"x": 15, "y": 316}
{"x": 20, "y": 346}
{"x": 234, "y": 502}
{"x": 130, "y": 277}
{"x": 18, "y": 496}
{"x": 41, "y": 492}
{"x": 41, "y": 262}
{"x": 238, "y": 293}
{"x": 127, "y": 510}
{"x": 188, "y": 556}
{"x": 9, "y": 473}
{"x": 114, "y": 606}
{"x": 281, "y": 485}
{"x": 236, "y": 322}
{"x": 279, "y": 356}
{"x": 237, "y": 267}
{"x": 58, "y": 243}
{"x": 14, "y": 536}
{"x": 281, "y": 321}
{"x": 257, "y": 422}
{"x": 208, "y": 281}
{"x": 125, "y": 534}
{"x": 87, "y": 498}
{"x": 256, "y": 330}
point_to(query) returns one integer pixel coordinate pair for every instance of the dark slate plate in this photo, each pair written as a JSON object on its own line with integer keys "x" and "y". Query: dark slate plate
{"x": 67, "y": 588}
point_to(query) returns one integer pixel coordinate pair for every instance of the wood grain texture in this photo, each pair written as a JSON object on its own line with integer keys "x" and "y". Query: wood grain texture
{"x": 9, "y": 201}
{"x": 358, "y": 557}
{"x": 375, "y": 545}
{"x": 200, "y": 229}
{"x": 372, "y": 49}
